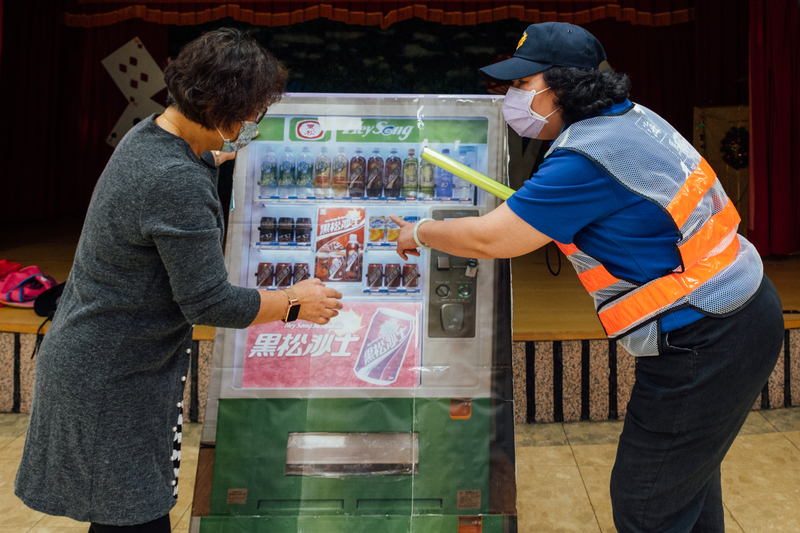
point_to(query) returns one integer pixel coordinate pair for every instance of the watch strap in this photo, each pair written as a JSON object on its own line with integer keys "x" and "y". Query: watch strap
{"x": 293, "y": 308}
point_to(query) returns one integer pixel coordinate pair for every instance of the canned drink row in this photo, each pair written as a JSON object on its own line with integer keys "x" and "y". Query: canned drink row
{"x": 281, "y": 274}
{"x": 285, "y": 230}
{"x": 392, "y": 275}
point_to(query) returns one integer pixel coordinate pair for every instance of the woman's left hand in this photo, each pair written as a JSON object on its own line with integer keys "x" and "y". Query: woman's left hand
{"x": 406, "y": 245}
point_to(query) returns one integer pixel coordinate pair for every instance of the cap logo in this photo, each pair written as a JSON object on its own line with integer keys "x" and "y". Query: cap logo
{"x": 524, "y": 36}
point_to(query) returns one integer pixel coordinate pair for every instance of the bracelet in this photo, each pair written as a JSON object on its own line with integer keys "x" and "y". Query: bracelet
{"x": 416, "y": 237}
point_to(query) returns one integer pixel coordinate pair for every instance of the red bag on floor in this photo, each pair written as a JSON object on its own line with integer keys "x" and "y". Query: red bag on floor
{"x": 20, "y": 288}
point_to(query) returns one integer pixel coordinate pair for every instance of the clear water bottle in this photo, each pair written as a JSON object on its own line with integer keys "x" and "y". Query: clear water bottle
{"x": 286, "y": 174}
{"x": 304, "y": 183}
{"x": 444, "y": 180}
{"x": 268, "y": 181}
{"x": 461, "y": 187}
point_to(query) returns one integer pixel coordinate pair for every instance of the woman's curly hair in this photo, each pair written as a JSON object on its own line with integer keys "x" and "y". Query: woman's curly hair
{"x": 223, "y": 78}
{"x": 582, "y": 93}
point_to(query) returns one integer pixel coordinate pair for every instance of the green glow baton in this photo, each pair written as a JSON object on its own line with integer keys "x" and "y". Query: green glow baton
{"x": 463, "y": 171}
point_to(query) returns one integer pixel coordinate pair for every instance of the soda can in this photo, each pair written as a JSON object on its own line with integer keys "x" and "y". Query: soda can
{"x": 410, "y": 275}
{"x": 391, "y": 275}
{"x": 374, "y": 275}
{"x": 336, "y": 266}
{"x": 286, "y": 229}
{"x": 377, "y": 228}
{"x": 265, "y": 275}
{"x": 283, "y": 275}
{"x": 302, "y": 230}
{"x": 321, "y": 266}
{"x": 300, "y": 272}
{"x": 267, "y": 230}
{"x": 385, "y": 347}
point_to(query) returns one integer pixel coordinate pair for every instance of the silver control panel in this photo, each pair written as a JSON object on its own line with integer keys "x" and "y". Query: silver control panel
{"x": 452, "y": 287}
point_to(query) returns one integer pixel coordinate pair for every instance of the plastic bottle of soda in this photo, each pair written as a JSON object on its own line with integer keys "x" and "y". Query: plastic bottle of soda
{"x": 351, "y": 254}
{"x": 427, "y": 179}
{"x": 444, "y": 180}
{"x": 269, "y": 173}
{"x": 339, "y": 174}
{"x": 410, "y": 175}
{"x": 375, "y": 174}
{"x": 286, "y": 175}
{"x": 322, "y": 174}
{"x": 393, "y": 180}
{"x": 358, "y": 170}
{"x": 304, "y": 183}
{"x": 461, "y": 187}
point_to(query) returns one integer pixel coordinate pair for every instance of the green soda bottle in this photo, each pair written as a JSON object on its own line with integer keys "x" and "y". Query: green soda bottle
{"x": 410, "y": 175}
{"x": 427, "y": 182}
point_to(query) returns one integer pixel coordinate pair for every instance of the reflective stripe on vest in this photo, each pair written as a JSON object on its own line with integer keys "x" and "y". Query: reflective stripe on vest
{"x": 705, "y": 218}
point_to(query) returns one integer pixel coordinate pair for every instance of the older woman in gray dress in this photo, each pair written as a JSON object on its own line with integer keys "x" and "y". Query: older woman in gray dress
{"x": 149, "y": 265}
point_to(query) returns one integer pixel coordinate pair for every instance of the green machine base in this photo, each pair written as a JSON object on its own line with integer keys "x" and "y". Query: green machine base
{"x": 350, "y": 524}
{"x": 258, "y": 485}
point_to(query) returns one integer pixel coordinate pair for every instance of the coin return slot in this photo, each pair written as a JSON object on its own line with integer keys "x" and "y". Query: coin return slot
{"x": 352, "y": 454}
{"x": 400, "y": 505}
{"x": 300, "y": 505}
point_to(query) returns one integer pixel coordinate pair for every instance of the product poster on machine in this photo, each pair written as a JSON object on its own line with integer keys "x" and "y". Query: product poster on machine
{"x": 369, "y": 344}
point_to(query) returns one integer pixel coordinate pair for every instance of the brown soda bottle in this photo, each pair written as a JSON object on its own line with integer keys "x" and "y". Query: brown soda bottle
{"x": 358, "y": 172}
{"x": 351, "y": 257}
{"x": 375, "y": 174}
{"x": 339, "y": 174}
{"x": 393, "y": 180}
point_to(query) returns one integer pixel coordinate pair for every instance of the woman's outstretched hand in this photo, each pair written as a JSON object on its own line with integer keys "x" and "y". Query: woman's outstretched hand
{"x": 406, "y": 245}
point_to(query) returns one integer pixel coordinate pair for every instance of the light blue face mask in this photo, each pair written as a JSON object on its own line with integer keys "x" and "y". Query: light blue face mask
{"x": 247, "y": 133}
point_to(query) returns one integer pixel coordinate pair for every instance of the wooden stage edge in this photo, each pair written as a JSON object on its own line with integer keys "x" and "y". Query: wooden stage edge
{"x": 545, "y": 307}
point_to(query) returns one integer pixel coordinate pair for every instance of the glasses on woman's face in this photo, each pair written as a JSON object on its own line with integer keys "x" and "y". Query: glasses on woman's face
{"x": 260, "y": 116}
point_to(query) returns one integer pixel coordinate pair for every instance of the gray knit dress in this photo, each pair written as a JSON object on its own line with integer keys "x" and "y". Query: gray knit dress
{"x": 109, "y": 372}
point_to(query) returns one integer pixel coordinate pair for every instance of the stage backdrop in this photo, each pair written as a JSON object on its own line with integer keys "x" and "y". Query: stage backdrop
{"x": 775, "y": 126}
{"x": 60, "y": 103}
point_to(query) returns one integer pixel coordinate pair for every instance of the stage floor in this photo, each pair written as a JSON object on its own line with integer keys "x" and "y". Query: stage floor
{"x": 546, "y": 307}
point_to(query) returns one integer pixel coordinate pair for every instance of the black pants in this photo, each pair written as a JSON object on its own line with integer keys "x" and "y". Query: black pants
{"x": 686, "y": 409}
{"x": 159, "y": 525}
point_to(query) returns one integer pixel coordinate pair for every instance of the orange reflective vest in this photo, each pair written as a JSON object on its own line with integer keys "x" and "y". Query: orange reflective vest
{"x": 719, "y": 270}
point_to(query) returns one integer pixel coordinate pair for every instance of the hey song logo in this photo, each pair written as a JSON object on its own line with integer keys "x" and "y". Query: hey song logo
{"x": 379, "y": 130}
{"x": 309, "y": 130}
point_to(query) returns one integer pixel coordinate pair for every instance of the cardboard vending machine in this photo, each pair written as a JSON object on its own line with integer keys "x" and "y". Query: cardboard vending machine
{"x": 396, "y": 416}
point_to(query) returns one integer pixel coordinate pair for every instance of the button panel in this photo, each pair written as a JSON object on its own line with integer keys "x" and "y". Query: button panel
{"x": 451, "y": 298}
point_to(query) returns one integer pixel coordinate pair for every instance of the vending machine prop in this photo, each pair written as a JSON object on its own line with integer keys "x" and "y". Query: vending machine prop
{"x": 396, "y": 416}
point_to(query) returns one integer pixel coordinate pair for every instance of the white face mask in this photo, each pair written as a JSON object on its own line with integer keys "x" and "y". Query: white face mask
{"x": 519, "y": 115}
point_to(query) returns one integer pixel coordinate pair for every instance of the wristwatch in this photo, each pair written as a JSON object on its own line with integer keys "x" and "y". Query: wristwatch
{"x": 293, "y": 309}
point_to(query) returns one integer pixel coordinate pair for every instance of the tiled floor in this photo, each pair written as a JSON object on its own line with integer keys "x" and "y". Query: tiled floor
{"x": 15, "y": 517}
{"x": 563, "y": 472}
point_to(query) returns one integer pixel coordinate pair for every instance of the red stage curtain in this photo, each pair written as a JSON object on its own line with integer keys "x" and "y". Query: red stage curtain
{"x": 90, "y": 13}
{"x": 58, "y": 105}
{"x": 775, "y": 126}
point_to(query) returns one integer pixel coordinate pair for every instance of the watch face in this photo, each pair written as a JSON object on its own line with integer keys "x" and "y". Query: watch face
{"x": 294, "y": 311}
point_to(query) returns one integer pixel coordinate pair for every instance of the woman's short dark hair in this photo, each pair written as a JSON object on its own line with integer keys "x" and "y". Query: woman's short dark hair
{"x": 224, "y": 77}
{"x": 582, "y": 93}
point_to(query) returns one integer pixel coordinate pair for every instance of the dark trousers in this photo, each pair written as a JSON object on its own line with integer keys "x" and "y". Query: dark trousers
{"x": 686, "y": 408}
{"x": 159, "y": 525}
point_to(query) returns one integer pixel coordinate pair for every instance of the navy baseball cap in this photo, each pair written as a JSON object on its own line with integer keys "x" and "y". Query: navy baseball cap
{"x": 550, "y": 44}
